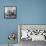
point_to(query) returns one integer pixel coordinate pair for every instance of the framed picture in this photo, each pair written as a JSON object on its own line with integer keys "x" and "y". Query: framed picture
{"x": 33, "y": 32}
{"x": 10, "y": 12}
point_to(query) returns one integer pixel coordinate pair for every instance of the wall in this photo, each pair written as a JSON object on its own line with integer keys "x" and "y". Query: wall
{"x": 28, "y": 12}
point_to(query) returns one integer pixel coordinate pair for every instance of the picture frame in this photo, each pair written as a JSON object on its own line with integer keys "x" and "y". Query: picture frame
{"x": 32, "y": 32}
{"x": 10, "y": 12}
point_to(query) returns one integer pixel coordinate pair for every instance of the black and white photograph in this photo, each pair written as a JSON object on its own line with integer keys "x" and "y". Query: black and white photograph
{"x": 10, "y": 12}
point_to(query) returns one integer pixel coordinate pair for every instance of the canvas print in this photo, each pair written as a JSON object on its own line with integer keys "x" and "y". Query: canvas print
{"x": 33, "y": 32}
{"x": 10, "y": 12}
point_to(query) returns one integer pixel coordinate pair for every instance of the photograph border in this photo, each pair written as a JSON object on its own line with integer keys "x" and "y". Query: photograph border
{"x": 11, "y": 17}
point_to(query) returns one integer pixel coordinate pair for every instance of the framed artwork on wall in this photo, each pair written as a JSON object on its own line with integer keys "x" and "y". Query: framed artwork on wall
{"x": 10, "y": 12}
{"x": 33, "y": 32}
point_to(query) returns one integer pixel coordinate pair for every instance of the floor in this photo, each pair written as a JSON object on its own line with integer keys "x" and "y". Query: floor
{"x": 7, "y": 45}
{"x": 30, "y": 43}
